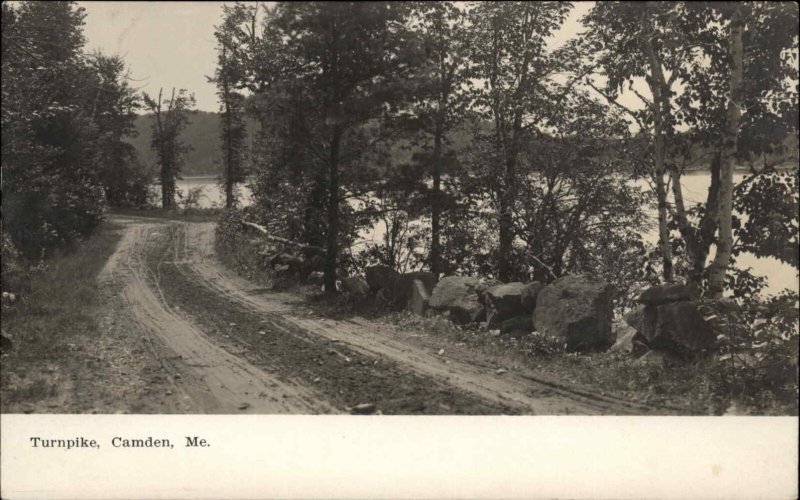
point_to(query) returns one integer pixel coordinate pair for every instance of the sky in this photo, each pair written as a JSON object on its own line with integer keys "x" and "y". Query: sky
{"x": 171, "y": 44}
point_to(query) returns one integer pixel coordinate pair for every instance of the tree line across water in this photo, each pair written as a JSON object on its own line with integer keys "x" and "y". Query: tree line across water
{"x": 480, "y": 147}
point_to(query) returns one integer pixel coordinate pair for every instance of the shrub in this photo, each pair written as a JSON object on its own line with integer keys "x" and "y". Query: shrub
{"x": 239, "y": 249}
{"x": 757, "y": 346}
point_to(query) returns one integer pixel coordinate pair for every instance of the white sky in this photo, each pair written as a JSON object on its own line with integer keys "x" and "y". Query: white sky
{"x": 171, "y": 44}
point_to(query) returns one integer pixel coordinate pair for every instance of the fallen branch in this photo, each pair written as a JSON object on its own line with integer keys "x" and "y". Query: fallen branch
{"x": 545, "y": 266}
{"x": 278, "y": 239}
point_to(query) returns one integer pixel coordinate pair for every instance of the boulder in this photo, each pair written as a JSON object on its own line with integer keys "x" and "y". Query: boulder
{"x": 665, "y": 294}
{"x": 402, "y": 286}
{"x": 634, "y": 318}
{"x": 466, "y": 312}
{"x": 503, "y": 302}
{"x": 639, "y": 348}
{"x": 355, "y": 285}
{"x": 380, "y": 276}
{"x": 576, "y": 309}
{"x": 529, "y": 295}
{"x": 677, "y": 327}
{"x": 459, "y": 297}
{"x": 517, "y": 324}
{"x": 483, "y": 286}
{"x": 624, "y": 335}
{"x": 418, "y": 303}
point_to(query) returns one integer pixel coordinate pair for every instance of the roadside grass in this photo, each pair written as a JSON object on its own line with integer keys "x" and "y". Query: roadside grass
{"x": 696, "y": 386}
{"x": 50, "y": 325}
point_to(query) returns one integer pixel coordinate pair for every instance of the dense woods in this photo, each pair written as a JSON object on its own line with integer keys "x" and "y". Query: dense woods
{"x": 481, "y": 146}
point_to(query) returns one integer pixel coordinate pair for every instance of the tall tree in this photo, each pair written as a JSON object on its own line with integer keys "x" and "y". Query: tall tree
{"x": 741, "y": 107}
{"x": 626, "y": 42}
{"x": 229, "y": 78}
{"x": 52, "y": 191}
{"x": 342, "y": 63}
{"x": 113, "y": 107}
{"x": 511, "y": 59}
{"x": 440, "y": 101}
{"x": 687, "y": 56}
{"x": 171, "y": 117}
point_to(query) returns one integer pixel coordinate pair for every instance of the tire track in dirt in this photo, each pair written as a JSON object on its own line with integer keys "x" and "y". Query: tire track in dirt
{"x": 524, "y": 390}
{"x": 345, "y": 376}
{"x": 215, "y": 380}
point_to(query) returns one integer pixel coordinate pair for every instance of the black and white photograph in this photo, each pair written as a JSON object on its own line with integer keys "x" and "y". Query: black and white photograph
{"x": 399, "y": 208}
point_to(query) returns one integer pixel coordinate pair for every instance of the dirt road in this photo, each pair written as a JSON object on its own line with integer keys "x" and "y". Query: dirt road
{"x": 226, "y": 346}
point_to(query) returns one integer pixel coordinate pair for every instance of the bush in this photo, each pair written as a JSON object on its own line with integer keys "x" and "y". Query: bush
{"x": 757, "y": 346}
{"x": 237, "y": 248}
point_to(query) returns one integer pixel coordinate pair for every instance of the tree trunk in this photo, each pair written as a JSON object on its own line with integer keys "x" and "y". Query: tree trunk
{"x": 660, "y": 108}
{"x": 506, "y": 221}
{"x": 332, "y": 235}
{"x": 664, "y": 241}
{"x": 436, "y": 208}
{"x": 705, "y": 234}
{"x": 167, "y": 196}
{"x": 716, "y": 280}
{"x": 229, "y": 201}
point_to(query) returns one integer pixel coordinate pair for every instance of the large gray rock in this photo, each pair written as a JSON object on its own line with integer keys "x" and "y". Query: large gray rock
{"x": 634, "y": 318}
{"x": 403, "y": 286}
{"x": 380, "y": 276}
{"x": 530, "y": 293}
{"x": 624, "y": 335}
{"x": 483, "y": 286}
{"x": 576, "y": 309}
{"x": 418, "y": 303}
{"x": 459, "y": 297}
{"x": 517, "y": 324}
{"x": 677, "y": 327}
{"x": 355, "y": 285}
{"x": 665, "y": 294}
{"x": 503, "y": 302}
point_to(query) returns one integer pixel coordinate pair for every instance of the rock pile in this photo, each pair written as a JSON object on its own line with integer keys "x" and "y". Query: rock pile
{"x": 460, "y": 297}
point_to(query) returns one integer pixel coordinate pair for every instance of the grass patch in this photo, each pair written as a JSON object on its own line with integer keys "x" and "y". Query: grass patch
{"x": 50, "y": 324}
{"x": 695, "y": 386}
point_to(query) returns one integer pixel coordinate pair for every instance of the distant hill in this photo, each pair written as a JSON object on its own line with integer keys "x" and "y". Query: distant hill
{"x": 201, "y": 133}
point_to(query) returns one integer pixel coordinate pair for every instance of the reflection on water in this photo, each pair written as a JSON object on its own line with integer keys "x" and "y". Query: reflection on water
{"x": 212, "y": 196}
{"x": 695, "y": 186}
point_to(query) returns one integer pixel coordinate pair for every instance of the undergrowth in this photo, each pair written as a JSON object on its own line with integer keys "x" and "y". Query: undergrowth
{"x": 47, "y": 325}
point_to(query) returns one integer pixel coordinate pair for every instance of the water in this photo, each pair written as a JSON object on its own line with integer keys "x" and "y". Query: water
{"x": 695, "y": 186}
{"x": 211, "y": 195}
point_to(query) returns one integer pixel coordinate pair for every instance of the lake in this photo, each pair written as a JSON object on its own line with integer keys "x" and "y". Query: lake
{"x": 695, "y": 186}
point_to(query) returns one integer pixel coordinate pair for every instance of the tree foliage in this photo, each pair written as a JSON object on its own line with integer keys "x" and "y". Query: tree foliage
{"x": 64, "y": 114}
{"x": 171, "y": 118}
